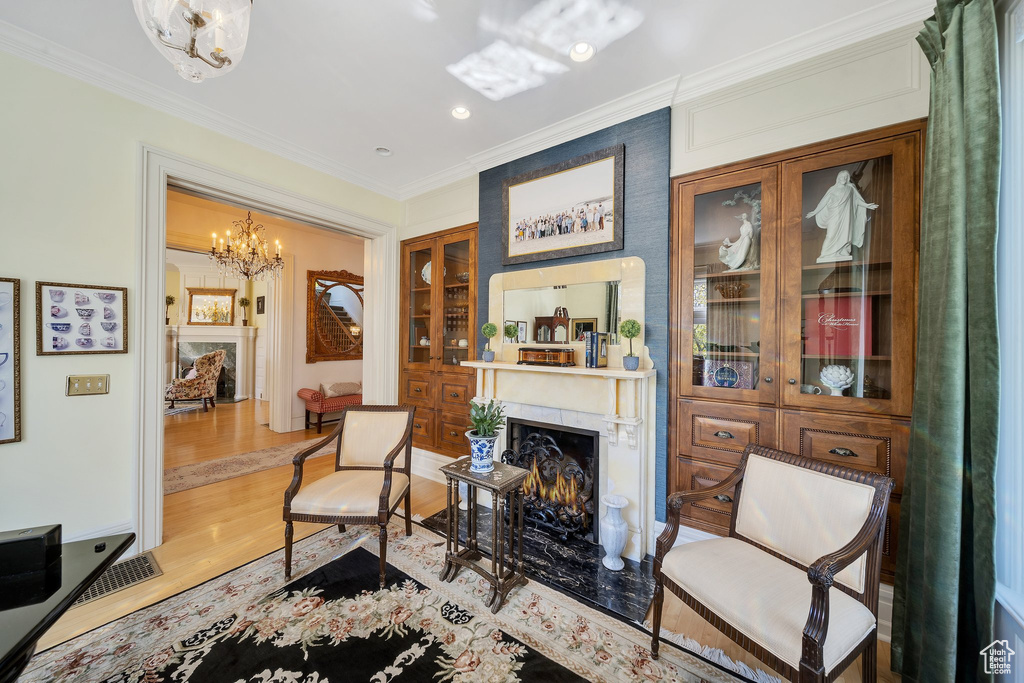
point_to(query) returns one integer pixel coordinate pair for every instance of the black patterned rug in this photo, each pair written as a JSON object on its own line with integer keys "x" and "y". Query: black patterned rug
{"x": 334, "y": 624}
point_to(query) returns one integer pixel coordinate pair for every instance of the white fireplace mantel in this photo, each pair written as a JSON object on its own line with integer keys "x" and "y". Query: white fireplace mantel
{"x": 623, "y": 392}
{"x": 611, "y": 401}
{"x": 242, "y": 337}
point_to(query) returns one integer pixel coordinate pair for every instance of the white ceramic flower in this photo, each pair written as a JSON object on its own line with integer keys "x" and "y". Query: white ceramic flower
{"x": 837, "y": 378}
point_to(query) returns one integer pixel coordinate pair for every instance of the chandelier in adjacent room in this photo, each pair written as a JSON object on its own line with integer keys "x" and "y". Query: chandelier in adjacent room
{"x": 201, "y": 38}
{"x": 245, "y": 254}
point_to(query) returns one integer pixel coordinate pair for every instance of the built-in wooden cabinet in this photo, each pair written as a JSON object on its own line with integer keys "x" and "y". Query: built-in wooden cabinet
{"x": 781, "y": 267}
{"x": 439, "y": 275}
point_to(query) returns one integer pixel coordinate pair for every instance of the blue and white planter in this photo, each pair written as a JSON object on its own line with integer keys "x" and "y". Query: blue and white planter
{"x": 631, "y": 362}
{"x": 482, "y": 451}
{"x": 488, "y": 356}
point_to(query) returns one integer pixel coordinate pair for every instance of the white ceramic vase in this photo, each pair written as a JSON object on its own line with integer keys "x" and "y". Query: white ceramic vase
{"x": 614, "y": 531}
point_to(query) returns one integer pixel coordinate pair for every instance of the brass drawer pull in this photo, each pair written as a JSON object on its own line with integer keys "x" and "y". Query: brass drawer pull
{"x": 723, "y": 434}
{"x": 843, "y": 452}
{"x": 453, "y": 433}
{"x": 418, "y": 426}
{"x": 418, "y": 390}
{"x": 723, "y": 498}
{"x": 454, "y": 394}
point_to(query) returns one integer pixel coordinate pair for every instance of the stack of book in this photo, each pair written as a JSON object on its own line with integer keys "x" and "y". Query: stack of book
{"x": 595, "y": 346}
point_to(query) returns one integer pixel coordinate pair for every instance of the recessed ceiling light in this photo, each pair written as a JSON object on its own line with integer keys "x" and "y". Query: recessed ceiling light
{"x": 461, "y": 112}
{"x": 581, "y": 51}
{"x": 383, "y": 151}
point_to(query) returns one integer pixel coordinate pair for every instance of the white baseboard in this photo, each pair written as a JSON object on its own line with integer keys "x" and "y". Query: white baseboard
{"x": 428, "y": 464}
{"x": 689, "y": 535}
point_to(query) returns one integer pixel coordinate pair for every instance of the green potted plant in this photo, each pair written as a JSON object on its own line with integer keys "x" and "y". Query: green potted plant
{"x": 487, "y": 419}
{"x": 169, "y": 300}
{"x": 511, "y": 332}
{"x": 630, "y": 329}
{"x": 244, "y": 303}
{"x": 489, "y": 330}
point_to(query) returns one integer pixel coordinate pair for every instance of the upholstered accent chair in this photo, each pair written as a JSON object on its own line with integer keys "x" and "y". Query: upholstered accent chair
{"x": 203, "y": 385}
{"x": 320, "y": 405}
{"x": 796, "y": 580}
{"x": 367, "y": 484}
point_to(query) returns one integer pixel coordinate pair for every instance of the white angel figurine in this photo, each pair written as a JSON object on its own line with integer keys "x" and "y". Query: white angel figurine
{"x": 734, "y": 254}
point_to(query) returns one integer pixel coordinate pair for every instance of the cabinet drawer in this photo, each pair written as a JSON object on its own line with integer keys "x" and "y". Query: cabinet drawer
{"x": 455, "y": 393}
{"x": 416, "y": 388}
{"x": 710, "y": 514}
{"x": 867, "y": 444}
{"x": 424, "y": 426}
{"x": 719, "y": 432}
{"x": 452, "y": 432}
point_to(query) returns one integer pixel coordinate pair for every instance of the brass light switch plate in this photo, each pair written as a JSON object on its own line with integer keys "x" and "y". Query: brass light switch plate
{"x": 84, "y": 385}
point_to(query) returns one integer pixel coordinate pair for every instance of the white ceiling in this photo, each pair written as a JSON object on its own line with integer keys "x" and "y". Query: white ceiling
{"x": 326, "y": 81}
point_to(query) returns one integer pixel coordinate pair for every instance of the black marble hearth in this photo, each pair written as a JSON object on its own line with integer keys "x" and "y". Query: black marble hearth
{"x": 572, "y": 566}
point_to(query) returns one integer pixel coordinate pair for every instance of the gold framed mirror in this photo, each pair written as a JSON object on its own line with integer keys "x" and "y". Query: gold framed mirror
{"x": 334, "y": 315}
{"x": 211, "y": 306}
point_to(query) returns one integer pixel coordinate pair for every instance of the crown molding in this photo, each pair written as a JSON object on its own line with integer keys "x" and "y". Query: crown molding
{"x": 863, "y": 25}
{"x": 38, "y": 50}
{"x": 858, "y": 27}
{"x": 637, "y": 103}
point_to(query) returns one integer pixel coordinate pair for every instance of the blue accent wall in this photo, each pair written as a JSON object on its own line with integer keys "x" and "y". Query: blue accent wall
{"x": 646, "y": 225}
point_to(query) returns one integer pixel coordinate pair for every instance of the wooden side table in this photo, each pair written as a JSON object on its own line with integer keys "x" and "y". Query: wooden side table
{"x": 504, "y": 480}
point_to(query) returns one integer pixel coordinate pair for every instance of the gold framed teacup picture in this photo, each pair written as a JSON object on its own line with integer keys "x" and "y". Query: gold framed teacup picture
{"x": 10, "y": 360}
{"x": 80, "y": 319}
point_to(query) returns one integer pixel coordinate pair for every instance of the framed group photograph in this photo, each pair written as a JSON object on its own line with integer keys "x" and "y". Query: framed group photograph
{"x": 10, "y": 360}
{"x": 79, "y": 319}
{"x": 567, "y": 209}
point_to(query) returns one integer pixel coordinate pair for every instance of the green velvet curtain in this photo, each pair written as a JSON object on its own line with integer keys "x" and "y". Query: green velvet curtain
{"x": 945, "y": 577}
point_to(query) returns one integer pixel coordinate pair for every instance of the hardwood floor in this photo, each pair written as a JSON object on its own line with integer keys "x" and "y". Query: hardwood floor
{"x": 213, "y": 529}
{"x": 679, "y": 618}
{"x": 228, "y": 429}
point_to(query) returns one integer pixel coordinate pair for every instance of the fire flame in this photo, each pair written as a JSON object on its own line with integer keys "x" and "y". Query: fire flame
{"x": 562, "y": 492}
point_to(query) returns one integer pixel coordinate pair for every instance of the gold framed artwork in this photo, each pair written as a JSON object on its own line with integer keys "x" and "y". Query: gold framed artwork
{"x": 580, "y": 326}
{"x": 334, "y": 315}
{"x": 80, "y": 319}
{"x": 211, "y": 306}
{"x": 10, "y": 360}
{"x": 566, "y": 209}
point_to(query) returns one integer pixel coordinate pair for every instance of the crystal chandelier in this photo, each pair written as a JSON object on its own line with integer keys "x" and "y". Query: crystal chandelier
{"x": 246, "y": 255}
{"x": 201, "y": 38}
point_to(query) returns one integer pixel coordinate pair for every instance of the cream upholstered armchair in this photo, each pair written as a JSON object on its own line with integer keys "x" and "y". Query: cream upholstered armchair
{"x": 367, "y": 484}
{"x": 796, "y": 580}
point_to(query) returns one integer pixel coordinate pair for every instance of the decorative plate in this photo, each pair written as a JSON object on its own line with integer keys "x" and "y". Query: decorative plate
{"x": 425, "y": 273}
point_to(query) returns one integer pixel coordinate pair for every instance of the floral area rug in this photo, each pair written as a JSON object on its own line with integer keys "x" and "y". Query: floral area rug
{"x": 209, "y": 472}
{"x": 334, "y": 624}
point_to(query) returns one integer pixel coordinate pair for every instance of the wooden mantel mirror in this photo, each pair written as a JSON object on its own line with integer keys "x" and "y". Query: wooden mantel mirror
{"x": 334, "y": 315}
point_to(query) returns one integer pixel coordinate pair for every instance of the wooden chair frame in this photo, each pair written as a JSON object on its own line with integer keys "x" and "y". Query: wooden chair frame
{"x": 384, "y": 511}
{"x": 821, "y": 573}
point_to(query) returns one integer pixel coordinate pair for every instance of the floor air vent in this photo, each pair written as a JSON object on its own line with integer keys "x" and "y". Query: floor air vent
{"x": 122, "y": 575}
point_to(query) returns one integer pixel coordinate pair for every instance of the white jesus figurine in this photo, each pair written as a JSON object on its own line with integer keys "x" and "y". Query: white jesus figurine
{"x": 842, "y": 213}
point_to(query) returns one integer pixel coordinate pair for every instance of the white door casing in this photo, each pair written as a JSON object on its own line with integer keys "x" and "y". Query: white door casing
{"x": 380, "y": 380}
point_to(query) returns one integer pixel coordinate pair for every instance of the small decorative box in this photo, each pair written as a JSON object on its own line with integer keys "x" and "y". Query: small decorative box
{"x": 559, "y": 356}
{"x": 729, "y": 374}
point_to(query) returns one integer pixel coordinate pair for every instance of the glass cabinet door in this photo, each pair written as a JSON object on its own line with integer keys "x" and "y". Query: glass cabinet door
{"x": 727, "y": 285}
{"x": 419, "y": 343}
{"x": 848, "y": 279}
{"x": 458, "y": 303}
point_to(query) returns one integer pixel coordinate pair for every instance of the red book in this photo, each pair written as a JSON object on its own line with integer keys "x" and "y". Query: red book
{"x": 837, "y": 326}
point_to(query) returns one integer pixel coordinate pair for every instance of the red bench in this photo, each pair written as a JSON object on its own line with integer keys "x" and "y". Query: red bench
{"x": 316, "y": 403}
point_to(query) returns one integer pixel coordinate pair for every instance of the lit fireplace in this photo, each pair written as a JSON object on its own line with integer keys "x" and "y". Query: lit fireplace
{"x": 559, "y": 491}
